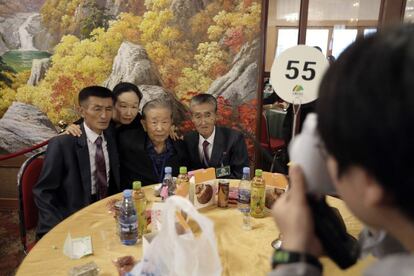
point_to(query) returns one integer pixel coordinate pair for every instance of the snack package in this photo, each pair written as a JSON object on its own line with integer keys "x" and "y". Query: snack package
{"x": 124, "y": 264}
{"x": 205, "y": 194}
{"x": 272, "y": 194}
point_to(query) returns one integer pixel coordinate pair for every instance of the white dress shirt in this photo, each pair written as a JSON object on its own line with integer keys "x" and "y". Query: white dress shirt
{"x": 210, "y": 140}
{"x": 91, "y": 137}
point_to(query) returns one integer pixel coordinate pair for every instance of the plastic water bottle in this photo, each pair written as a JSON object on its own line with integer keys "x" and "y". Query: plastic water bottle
{"x": 168, "y": 186}
{"x": 244, "y": 198}
{"x": 128, "y": 220}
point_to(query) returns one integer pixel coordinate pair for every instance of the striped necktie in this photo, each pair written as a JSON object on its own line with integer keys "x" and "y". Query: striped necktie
{"x": 100, "y": 172}
{"x": 206, "y": 158}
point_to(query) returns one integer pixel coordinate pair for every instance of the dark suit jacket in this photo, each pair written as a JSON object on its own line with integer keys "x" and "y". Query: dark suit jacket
{"x": 136, "y": 163}
{"x": 64, "y": 184}
{"x": 229, "y": 148}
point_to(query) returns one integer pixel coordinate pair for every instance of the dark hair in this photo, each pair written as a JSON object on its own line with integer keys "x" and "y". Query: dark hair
{"x": 123, "y": 87}
{"x": 157, "y": 103}
{"x": 94, "y": 91}
{"x": 204, "y": 98}
{"x": 366, "y": 109}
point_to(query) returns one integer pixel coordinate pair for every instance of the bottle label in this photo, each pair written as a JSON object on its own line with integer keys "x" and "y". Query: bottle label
{"x": 142, "y": 219}
{"x": 257, "y": 203}
{"x": 244, "y": 196}
{"x": 128, "y": 227}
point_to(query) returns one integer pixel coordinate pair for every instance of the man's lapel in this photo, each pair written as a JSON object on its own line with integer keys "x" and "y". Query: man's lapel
{"x": 218, "y": 147}
{"x": 113, "y": 158}
{"x": 83, "y": 161}
{"x": 194, "y": 149}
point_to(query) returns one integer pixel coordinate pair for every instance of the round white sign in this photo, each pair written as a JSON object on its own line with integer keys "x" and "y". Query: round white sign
{"x": 296, "y": 74}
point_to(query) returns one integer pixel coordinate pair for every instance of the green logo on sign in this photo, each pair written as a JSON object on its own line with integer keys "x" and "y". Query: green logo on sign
{"x": 297, "y": 88}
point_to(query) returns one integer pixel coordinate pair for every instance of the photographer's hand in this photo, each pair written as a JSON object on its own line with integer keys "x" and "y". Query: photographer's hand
{"x": 294, "y": 219}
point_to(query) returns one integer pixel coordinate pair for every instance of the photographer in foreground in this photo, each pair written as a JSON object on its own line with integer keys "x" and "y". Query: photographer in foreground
{"x": 365, "y": 116}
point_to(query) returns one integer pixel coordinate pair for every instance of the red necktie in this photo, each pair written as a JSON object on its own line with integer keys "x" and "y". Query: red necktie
{"x": 100, "y": 172}
{"x": 206, "y": 158}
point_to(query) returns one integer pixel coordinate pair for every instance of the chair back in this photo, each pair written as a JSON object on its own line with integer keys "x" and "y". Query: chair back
{"x": 264, "y": 139}
{"x": 26, "y": 179}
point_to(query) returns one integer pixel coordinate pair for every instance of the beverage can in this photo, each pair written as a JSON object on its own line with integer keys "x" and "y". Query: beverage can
{"x": 223, "y": 193}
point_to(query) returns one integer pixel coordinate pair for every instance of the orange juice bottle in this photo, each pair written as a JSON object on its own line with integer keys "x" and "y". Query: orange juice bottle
{"x": 141, "y": 207}
{"x": 183, "y": 183}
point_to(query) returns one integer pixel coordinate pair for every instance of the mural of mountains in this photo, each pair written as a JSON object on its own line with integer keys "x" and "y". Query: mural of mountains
{"x": 8, "y": 8}
{"x": 175, "y": 48}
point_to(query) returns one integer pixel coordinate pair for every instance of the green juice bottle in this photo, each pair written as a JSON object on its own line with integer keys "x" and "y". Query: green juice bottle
{"x": 141, "y": 206}
{"x": 258, "y": 195}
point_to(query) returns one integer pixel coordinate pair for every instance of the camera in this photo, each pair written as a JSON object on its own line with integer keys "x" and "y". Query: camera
{"x": 307, "y": 150}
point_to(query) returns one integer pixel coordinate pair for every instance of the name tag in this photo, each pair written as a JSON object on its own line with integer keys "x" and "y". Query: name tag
{"x": 223, "y": 171}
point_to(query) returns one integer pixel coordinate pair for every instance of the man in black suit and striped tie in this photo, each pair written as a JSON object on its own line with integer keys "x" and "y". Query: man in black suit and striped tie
{"x": 78, "y": 171}
{"x": 211, "y": 145}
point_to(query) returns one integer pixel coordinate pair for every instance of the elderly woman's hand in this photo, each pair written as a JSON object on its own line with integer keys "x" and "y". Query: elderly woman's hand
{"x": 73, "y": 130}
{"x": 174, "y": 133}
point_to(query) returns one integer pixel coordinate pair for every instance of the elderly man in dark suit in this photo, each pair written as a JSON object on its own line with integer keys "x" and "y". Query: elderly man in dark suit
{"x": 78, "y": 171}
{"x": 144, "y": 155}
{"x": 211, "y": 145}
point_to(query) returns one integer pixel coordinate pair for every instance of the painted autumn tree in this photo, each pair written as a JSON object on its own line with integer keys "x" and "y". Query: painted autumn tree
{"x": 75, "y": 64}
{"x": 8, "y": 91}
{"x": 97, "y": 18}
{"x": 164, "y": 41}
{"x": 231, "y": 29}
{"x": 61, "y": 17}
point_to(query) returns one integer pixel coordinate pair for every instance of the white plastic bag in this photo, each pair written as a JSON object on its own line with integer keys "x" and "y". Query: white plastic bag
{"x": 170, "y": 254}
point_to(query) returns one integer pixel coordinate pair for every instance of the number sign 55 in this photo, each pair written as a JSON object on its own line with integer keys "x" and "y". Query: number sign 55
{"x": 297, "y": 72}
{"x": 293, "y": 67}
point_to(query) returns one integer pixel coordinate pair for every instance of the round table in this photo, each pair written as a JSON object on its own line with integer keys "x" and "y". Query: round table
{"x": 241, "y": 252}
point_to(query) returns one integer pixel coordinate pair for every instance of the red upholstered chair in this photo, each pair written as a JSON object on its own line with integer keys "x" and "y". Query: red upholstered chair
{"x": 270, "y": 143}
{"x": 274, "y": 145}
{"x": 26, "y": 179}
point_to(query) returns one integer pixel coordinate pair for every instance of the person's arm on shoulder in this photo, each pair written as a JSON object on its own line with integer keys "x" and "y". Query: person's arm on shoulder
{"x": 294, "y": 220}
{"x": 73, "y": 130}
{"x": 175, "y": 133}
{"x": 46, "y": 189}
